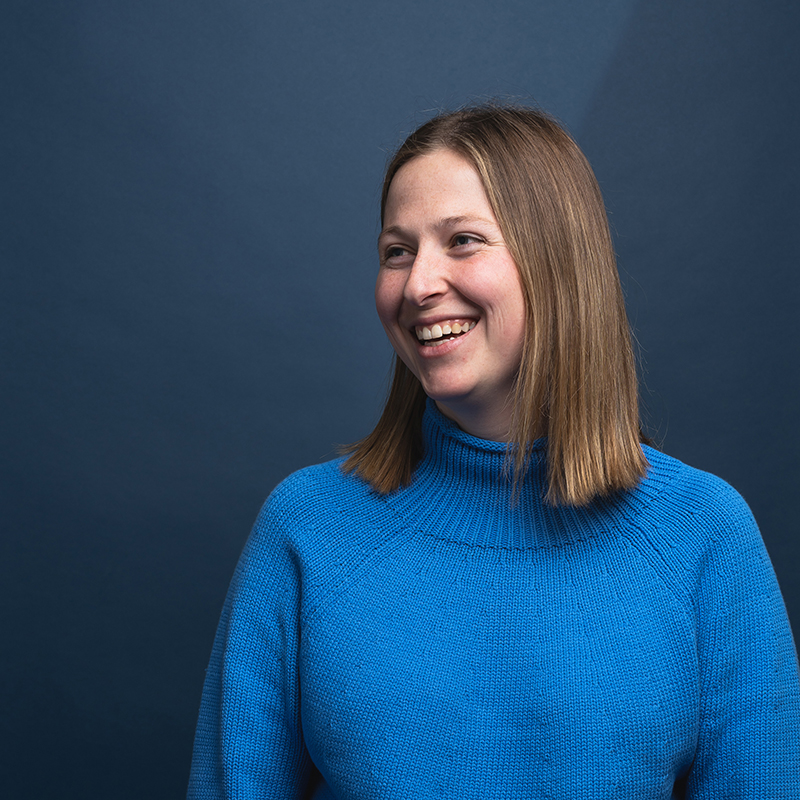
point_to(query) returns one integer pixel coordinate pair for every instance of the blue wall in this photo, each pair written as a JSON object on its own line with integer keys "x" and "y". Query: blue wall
{"x": 189, "y": 195}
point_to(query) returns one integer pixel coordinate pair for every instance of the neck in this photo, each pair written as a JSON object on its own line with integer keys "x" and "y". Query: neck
{"x": 492, "y": 424}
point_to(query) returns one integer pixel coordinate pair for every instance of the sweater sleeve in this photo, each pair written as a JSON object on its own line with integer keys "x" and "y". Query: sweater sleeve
{"x": 750, "y": 693}
{"x": 249, "y": 742}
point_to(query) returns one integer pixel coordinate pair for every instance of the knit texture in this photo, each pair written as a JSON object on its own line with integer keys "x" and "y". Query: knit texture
{"x": 446, "y": 642}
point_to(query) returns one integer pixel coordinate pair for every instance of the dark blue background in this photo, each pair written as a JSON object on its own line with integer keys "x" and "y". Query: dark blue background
{"x": 189, "y": 210}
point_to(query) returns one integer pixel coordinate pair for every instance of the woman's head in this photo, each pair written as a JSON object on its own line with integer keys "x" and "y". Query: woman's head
{"x": 576, "y": 382}
{"x": 449, "y": 294}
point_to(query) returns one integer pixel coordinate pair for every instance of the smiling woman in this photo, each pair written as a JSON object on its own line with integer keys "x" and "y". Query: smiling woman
{"x": 501, "y": 592}
{"x": 501, "y": 204}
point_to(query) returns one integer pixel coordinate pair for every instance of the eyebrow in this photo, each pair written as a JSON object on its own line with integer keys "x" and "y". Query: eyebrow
{"x": 444, "y": 223}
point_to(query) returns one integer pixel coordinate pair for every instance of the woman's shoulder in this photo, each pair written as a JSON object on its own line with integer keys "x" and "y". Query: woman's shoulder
{"x": 318, "y": 507}
{"x": 300, "y": 512}
{"x": 315, "y": 525}
{"x": 689, "y": 518}
{"x": 677, "y": 490}
{"x": 313, "y": 492}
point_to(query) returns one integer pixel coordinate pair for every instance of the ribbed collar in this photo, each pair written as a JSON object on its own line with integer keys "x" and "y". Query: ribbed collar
{"x": 460, "y": 492}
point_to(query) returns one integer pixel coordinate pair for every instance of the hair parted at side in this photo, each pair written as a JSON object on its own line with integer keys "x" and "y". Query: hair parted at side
{"x": 577, "y": 380}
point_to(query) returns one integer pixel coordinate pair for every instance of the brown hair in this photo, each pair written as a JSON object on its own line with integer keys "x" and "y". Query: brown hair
{"x": 577, "y": 380}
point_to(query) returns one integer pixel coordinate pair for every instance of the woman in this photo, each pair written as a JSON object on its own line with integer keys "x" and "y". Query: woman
{"x": 501, "y": 592}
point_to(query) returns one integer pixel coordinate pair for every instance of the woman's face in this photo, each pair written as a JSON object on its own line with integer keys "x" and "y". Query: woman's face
{"x": 448, "y": 292}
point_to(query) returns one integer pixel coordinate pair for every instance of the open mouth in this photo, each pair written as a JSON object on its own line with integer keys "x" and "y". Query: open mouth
{"x": 443, "y": 332}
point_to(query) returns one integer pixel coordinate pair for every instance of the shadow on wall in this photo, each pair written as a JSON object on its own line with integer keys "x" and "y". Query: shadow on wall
{"x": 693, "y": 135}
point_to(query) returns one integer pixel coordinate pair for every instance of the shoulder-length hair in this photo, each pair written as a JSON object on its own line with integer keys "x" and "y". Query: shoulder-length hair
{"x": 577, "y": 379}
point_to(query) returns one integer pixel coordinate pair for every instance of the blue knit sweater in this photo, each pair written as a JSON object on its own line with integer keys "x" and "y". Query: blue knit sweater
{"x": 441, "y": 642}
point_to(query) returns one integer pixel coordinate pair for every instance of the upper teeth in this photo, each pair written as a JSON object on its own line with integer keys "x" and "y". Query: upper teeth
{"x": 445, "y": 329}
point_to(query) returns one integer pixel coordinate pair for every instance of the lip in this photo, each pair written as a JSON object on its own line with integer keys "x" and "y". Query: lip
{"x": 428, "y": 321}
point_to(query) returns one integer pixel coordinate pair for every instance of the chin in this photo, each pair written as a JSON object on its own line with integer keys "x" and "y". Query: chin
{"x": 446, "y": 394}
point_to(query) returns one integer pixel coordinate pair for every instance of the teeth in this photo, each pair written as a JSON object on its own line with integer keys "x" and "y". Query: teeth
{"x": 434, "y": 335}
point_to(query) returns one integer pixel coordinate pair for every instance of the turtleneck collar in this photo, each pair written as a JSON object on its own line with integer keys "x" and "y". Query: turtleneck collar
{"x": 462, "y": 491}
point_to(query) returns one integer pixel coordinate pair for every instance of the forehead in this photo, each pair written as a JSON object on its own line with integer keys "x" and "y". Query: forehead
{"x": 442, "y": 183}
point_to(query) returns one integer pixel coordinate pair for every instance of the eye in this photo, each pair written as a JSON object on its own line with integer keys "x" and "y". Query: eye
{"x": 395, "y": 255}
{"x": 465, "y": 240}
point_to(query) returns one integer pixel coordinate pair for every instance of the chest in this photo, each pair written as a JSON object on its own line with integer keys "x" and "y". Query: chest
{"x": 530, "y": 672}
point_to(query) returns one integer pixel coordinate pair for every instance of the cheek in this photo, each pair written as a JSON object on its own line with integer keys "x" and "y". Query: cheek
{"x": 510, "y": 312}
{"x": 388, "y": 297}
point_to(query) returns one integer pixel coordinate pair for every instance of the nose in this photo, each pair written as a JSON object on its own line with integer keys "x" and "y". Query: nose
{"x": 427, "y": 279}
